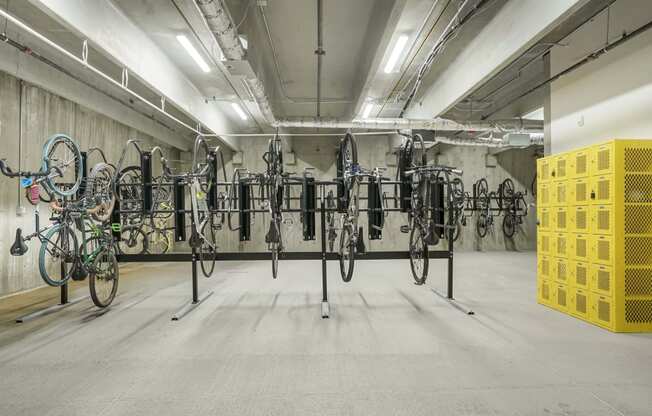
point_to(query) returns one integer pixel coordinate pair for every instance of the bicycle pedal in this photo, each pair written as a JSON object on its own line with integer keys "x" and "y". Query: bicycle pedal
{"x": 405, "y": 229}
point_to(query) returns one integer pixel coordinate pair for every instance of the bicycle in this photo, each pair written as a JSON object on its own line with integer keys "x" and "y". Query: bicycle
{"x": 351, "y": 237}
{"x": 201, "y": 179}
{"x": 483, "y": 199}
{"x": 513, "y": 206}
{"x": 272, "y": 182}
{"x": 423, "y": 225}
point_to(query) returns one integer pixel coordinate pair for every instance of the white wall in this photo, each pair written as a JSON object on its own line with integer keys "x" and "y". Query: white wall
{"x": 610, "y": 97}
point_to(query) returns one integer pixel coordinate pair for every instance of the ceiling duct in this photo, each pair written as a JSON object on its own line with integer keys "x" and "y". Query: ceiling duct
{"x": 221, "y": 24}
{"x": 438, "y": 124}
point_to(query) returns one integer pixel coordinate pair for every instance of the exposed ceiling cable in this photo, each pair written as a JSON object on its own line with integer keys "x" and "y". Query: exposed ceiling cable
{"x": 449, "y": 33}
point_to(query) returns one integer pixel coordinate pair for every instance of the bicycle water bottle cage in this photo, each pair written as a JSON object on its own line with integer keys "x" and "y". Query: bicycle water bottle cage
{"x": 360, "y": 247}
{"x": 18, "y": 248}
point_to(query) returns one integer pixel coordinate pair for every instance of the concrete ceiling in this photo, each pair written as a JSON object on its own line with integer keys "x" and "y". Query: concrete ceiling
{"x": 282, "y": 38}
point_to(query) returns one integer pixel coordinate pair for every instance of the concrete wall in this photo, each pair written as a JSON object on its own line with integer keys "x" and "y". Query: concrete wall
{"x": 319, "y": 153}
{"x": 42, "y": 114}
{"x": 611, "y": 96}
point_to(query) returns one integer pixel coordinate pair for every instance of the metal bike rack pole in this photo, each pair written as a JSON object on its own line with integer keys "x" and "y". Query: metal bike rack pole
{"x": 196, "y": 298}
{"x": 64, "y": 302}
{"x": 325, "y": 306}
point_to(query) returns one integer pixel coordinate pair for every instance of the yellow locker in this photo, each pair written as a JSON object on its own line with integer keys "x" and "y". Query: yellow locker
{"x": 544, "y": 218}
{"x": 559, "y": 193}
{"x": 543, "y": 195}
{"x": 637, "y": 219}
{"x": 543, "y": 243}
{"x": 560, "y": 245}
{"x": 602, "y": 280}
{"x": 578, "y": 191}
{"x": 579, "y": 219}
{"x": 638, "y": 188}
{"x": 579, "y": 164}
{"x": 543, "y": 170}
{"x": 601, "y": 310}
{"x": 560, "y": 219}
{"x": 602, "y": 190}
{"x": 544, "y": 267}
{"x": 559, "y": 170}
{"x": 578, "y": 274}
{"x": 602, "y": 219}
{"x": 579, "y": 247}
{"x": 579, "y": 303}
{"x": 560, "y": 297}
{"x": 602, "y": 250}
{"x": 602, "y": 159}
{"x": 544, "y": 292}
{"x": 560, "y": 270}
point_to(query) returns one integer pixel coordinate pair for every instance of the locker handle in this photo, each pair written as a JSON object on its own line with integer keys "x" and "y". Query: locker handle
{"x": 592, "y": 194}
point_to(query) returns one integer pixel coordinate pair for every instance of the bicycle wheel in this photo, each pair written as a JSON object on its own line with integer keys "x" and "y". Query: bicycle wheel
{"x": 457, "y": 231}
{"x": 275, "y": 262}
{"x": 208, "y": 248}
{"x": 347, "y": 253}
{"x": 104, "y": 276}
{"x": 507, "y": 189}
{"x": 132, "y": 241}
{"x": 482, "y": 225}
{"x": 158, "y": 242}
{"x": 130, "y": 191}
{"x": 418, "y": 253}
{"x": 59, "y": 247}
{"x": 509, "y": 225}
{"x": 99, "y": 186}
{"x": 62, "y": 157}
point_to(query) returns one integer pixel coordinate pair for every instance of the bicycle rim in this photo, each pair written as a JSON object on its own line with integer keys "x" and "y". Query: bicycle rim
{"x": 347, "y": 254}
{"x": 133, "y": 241}
{"x": 58, "y": 247}
{"x": 418, "y": 254}
{"x": 207, "y": 251}
{"x": 62, "y": 156}
{"x": 103, "y": 282}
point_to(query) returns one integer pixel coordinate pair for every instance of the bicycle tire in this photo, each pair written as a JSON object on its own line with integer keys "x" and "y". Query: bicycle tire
{"x": 100, "y": 185}
{"x": 48, "y": 149}
{"x": 418, "y": 237}
{"x": 482, "y": 225}
{"x": 207, "y": 249}
{"x": 155, "y": 237}
{"x": 275, "y": 262}
{"x": 94, "y": 283}
{"x": 509, "y": 226}
{"x": 129, "y": 241}
{"x": 64, "y": 253}
{"x": 347, "y": 253}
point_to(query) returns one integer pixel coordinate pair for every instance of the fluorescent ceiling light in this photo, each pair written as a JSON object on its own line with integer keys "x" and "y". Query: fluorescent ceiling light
{"x": 535, "y": 115}
{"x": 239, "y": 110}
{"x": 367, "y": 110}
{"x": 193, "y": 53}
{"x": 401, "y": 42}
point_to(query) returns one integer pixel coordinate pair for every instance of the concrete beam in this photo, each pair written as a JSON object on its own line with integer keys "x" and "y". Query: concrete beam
{"x": 108, "y": 30}
{"x": 35, "y": 72}
{"x": 517, "y": 26}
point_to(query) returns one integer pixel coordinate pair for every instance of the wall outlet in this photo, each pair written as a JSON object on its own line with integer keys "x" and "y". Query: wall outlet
{"x": 20, "y": 210}
{"x": 580, "y": 121}
{"x": 237, "y": 158}
{"x": 290, "y": 158}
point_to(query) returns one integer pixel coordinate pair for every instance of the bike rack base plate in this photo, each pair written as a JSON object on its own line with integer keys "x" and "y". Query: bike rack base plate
{"x": 325, "y": 310}
{"x": 190, "y": 306}
{"x": 47, "y": 311}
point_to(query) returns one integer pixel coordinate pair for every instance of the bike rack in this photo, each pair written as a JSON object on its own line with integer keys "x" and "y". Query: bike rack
{"x": 323, "y": 255}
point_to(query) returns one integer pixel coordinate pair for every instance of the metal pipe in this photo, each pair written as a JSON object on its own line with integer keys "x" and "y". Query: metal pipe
{"x": 320, "y": 53}
{"x": 438, "y": 124}
{"x": 221, "y": 24}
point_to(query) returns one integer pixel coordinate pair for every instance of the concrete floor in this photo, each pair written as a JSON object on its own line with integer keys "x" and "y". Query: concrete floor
{"x": 259, "y": 347}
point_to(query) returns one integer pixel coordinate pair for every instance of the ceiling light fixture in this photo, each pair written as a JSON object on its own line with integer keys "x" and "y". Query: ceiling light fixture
{"x": 193, "y": 53}
{"x": 401, "y": 42}
{"x": 239, "y": 110}
{"x": 367, "y": 110}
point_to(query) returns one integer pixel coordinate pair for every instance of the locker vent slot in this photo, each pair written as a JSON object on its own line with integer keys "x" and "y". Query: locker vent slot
{"x": 638, "y": 188}
{"x": 638, "y": 160}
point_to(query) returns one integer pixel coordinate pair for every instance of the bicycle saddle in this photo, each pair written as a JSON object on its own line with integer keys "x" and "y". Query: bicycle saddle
{"x": 18, "y": 248}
